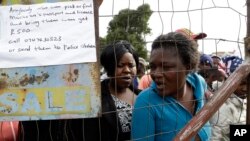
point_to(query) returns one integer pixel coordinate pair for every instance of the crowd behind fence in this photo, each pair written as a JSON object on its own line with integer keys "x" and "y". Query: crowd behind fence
{"x": 165, "y": 19}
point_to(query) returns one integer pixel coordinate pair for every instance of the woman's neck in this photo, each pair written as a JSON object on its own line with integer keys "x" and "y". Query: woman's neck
{"x": 181, "y": 93}
{"x": 187, "y": 99}
{"x": 114, "y": 89}
{"x": 124, "y": 94}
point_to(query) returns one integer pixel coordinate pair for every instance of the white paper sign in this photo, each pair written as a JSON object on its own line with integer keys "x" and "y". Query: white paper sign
{"x": 47, "y": 34}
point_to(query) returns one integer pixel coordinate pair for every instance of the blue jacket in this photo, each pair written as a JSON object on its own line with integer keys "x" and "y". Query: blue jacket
{"x": 160, "y": 119}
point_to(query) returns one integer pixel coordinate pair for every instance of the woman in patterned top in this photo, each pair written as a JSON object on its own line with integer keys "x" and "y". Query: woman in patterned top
{"x": 118, "y": 95}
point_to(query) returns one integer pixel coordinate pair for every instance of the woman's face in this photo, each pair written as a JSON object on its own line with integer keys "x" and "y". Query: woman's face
{"x": 216, "y": 61}
{"x": 125, "y": 71}
{"x": 167, "y": 71}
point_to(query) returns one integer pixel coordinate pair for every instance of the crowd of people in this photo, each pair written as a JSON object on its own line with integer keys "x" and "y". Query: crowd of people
{"x": 152, "y": 100}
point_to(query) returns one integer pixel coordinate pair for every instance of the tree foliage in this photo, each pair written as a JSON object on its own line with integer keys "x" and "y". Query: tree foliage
{"x": 130, "y": 25}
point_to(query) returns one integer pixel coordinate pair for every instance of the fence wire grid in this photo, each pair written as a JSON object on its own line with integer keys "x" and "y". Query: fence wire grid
{"x": 224, "y": 22}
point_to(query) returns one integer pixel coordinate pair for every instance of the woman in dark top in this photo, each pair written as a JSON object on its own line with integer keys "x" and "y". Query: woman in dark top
{"x": 118, "y": 96}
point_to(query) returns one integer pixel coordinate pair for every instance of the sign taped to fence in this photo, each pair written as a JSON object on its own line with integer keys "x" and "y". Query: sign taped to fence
{"x": 48, "y": 67}
{"x": 47, "y": 34}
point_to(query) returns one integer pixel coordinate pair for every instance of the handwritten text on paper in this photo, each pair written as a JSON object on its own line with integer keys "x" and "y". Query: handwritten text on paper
{"x": 47, "y": 34}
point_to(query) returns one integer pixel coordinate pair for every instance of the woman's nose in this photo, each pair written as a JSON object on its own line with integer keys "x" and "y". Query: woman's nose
{"x": 126, "y": 68}
{"x": 157, "y": 73}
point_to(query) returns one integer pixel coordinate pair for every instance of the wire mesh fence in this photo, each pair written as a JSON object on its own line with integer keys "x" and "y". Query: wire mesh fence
{"x": 198, "y": 16}
{"x": 159, "y": 118}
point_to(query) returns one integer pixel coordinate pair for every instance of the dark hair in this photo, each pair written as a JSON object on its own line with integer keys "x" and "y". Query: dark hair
{"x": 112, "y": 54}
{"x": 183, "y": 46}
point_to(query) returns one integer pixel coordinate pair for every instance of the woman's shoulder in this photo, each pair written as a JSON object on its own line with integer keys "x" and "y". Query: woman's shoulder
{"x": 195, "y": 79}
{"x": 195, "y": 76}
{"x": 149, "y": 94}
{"x": 147, "y": 91}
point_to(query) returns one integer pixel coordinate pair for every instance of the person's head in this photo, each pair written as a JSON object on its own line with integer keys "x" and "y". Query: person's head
{"x": 141, "y": 67}
{"x": 206, "y": 62}
{"x": 241, "y": 90}
{"x": 172, "y": 57}
{"x": 209, "y": 71}
{"x": 190, "y": 35}
{"x": 218, "y": 62}
{"x": 232, "y": 63}
{"x": 120, "y": 61}
{"x": 216, "y": 59}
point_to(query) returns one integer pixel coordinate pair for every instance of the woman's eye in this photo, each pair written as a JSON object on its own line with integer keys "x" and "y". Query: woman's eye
{"x": 132, "y": 65}
{"x": 119, "y": 66}
{"x": 128, "y": 65}
{"x": 165, "y": 67}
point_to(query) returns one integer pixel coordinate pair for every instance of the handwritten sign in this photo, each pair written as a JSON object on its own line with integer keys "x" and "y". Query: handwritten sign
{"x": 47, "y": 34}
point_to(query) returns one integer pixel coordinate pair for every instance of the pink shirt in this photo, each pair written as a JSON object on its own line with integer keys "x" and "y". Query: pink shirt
{"x": 144, "y": 82}
{"x": 8, "y": 130}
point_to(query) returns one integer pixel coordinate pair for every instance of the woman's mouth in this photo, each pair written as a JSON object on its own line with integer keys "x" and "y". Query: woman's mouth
{"x": 160, "y": 86}
{"x": 126, "y": 78}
